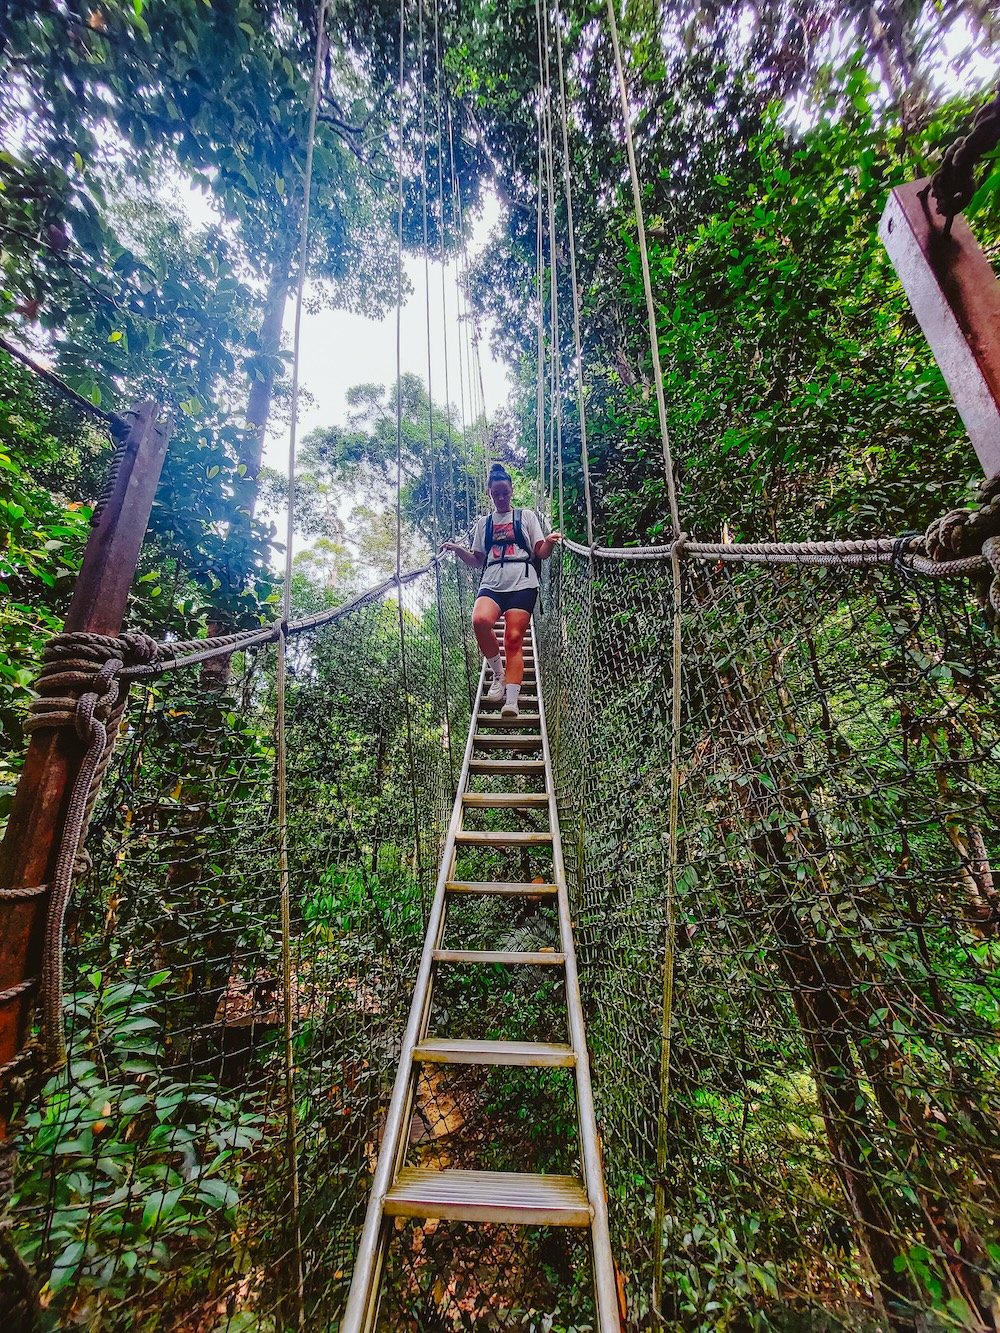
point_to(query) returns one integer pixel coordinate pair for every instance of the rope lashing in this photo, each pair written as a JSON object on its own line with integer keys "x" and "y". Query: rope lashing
{"x": 960, "y": 532}
{"x": 78, "y": 688}
{"x": 120, "y": 427}
{"x": 954, "y": 183}
{"x": 955, "y": 537}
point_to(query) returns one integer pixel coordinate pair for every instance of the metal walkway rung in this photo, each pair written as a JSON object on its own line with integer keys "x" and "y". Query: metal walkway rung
{"x": 489, "y": 1196}
{"x": 503, "y": 800}
{"x": 507, "y": 957}
{"x": 462, "y": 1051}
{"x": 496, "y": 720}
{"x": 511, "y": 890}
{"x": 502, "y": 767}
{"x": 513, "y": 742}
{"x": 477, "y": 838}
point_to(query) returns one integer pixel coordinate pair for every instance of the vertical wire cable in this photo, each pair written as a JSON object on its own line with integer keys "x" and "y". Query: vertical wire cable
{"x": 435, "y": 528}
{"x": 555, "y": 423}
{"x": 439, "y": 131}
{"x": 574, "y": 285}
{"x": 673, "y": 810}
{"x": 539, "y": 293}
{"x": 472, "y": 364}
{"x": 457, "y": 217}
{"x": 581, "y": 407}
{"x": 399, "y": 459}
{"x": 647, "y": 282}
{"x": 281, "y": 684}
{"x": 476, "y": 421}
{"x": 471, "y": 678}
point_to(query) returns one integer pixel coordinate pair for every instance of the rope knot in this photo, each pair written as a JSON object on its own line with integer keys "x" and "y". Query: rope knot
{"x": 139, "y": 649}
{"x": 961, "y": 532}
{"x": 678, "y": 544}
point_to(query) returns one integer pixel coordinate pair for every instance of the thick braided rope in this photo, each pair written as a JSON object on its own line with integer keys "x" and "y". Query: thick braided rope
{"x": 954, "y": 183}
{"x": 78, "y": 688}
{"x": 906, "y": 552}
{"x": 120, "y": 426}
{"x": 178, "y": 653}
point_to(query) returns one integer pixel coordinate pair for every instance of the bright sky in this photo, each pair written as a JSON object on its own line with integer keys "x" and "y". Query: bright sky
{"x": 340, "y": 349}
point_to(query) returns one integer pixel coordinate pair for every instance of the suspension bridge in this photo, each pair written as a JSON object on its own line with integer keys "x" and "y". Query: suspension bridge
{"x": 410, "y": 1016}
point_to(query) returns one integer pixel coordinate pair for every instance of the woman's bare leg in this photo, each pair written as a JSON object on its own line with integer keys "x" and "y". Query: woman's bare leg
{"x": 484, "y": 617}
{"x": 515, "y": 625}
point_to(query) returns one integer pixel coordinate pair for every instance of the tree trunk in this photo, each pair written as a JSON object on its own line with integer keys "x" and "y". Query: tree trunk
{"x": 262, "y": 389}
{"x": 216, "y": 673}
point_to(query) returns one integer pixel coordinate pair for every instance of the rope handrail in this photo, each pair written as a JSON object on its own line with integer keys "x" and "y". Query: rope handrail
{"x": 908, "y": 550}
{"x": 192, "y": 652}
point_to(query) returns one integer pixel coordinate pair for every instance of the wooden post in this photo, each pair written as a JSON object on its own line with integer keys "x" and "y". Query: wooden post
{"x": 955, "y": 296}
{"x": 31, "y": 842}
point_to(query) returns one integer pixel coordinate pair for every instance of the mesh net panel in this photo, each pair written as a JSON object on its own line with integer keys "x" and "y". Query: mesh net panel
{"x": 153, "y": 1187}
{"x": 826, "y": 1155}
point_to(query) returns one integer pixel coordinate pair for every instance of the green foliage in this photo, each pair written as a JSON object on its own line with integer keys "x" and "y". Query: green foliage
{"x": 799, "y": 400}
{"x": 142, "y": 1165}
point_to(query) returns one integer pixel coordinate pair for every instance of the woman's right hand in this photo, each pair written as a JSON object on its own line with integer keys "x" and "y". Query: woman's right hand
{"x": 452, "y": 546}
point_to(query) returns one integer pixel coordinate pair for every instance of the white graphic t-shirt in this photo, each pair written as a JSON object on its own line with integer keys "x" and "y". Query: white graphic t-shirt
{"x": 515, "y": 574}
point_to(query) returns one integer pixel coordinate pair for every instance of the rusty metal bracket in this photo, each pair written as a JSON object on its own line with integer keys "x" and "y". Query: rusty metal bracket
{"x": 955, "y": 296}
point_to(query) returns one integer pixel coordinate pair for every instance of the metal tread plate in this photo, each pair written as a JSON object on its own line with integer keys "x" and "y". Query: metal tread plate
{"x": 468, "y": 1051}
{"x": 503, "y": 766}
{"x": 481, "y": 838}
{"x": 507, "y": 890}
{"x": 541, "y": 958}
{"x": 490, "y": 800}
{"x": 489, "y": 1196}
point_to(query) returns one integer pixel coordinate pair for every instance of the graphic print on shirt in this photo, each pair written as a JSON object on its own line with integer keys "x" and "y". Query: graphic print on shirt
{"x": 504, "y": 546}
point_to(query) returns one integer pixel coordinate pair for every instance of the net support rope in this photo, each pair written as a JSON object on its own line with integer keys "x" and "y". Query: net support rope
{"x": 281, "y": 745}
{"x": 673, "y": 812}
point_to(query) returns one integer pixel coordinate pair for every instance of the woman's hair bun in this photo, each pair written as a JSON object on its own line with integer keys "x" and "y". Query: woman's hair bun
{"x": 498, "y": 473}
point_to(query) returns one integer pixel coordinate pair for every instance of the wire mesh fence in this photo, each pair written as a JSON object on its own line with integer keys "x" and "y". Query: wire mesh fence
{"x": 154, "y": 1184}
{"x": 823, "y": 1154}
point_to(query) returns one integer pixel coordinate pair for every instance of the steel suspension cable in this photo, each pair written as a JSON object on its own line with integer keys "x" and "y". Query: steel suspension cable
{"x": 456, "y": 205}
{"x": 436, "y": 535}
{"x": 647, "y": 282}
{"x": 543, "y": 493}
{"x": 673, "y": 811}
{"x": 281, "y": 742}
{"x": 540, "y": 491}
{"x": 555, "y": 386}
{"x": 574, "y": 284}
{"x": 439, "y": 130}
{"x": 399, "y": 449}
{"x": 435, "y": 526}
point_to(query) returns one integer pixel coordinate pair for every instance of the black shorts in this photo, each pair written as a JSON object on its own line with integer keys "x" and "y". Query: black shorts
{"x": 522, "y": 600}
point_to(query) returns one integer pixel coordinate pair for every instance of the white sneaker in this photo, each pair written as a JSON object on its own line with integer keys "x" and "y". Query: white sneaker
{"x": 509, "y": 710}
{"x": 496, "y": 692}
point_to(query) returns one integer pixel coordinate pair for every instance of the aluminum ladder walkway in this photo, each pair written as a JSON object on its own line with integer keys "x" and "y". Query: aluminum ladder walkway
{"x": 488, "y": 1196}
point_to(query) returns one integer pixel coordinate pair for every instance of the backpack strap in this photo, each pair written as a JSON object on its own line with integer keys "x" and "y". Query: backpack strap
{"x": 533, "y": 560}
{"x": 519, "y": 533}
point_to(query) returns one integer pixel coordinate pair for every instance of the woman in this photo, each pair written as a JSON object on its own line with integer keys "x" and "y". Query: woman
{"x": 509, "y": 585}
